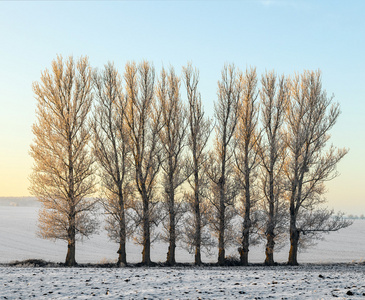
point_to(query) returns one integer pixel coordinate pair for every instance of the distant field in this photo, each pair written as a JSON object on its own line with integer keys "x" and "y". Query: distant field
{"x": 18, "y": 241}
{"x": 19, "y": 201}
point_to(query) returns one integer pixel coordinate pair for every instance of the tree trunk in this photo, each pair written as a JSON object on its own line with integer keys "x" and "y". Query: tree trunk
{"x": 171, "y": 251}
{"x": 146, "y": 252}
{"x": 122, "y": 254}
{"x": 71, "y": 231}
{"x": 221, "y": 250}
{"x": 71, "y": 247}
{"x": 246, "y": 222}
{"x": 198, "y": 260}
{"x": 222, "y": 219}
{"x": 172, "y": 232}
{"x": 294, "y": 240}
{"x": 245, "y": 245}
{"x": 70, "y": 257}
{"x": 269, "y": 251}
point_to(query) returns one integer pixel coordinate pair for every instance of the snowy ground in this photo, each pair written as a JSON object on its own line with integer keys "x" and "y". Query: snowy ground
{"x": 18, "y": 241}
{"x": 338, "y": 269}
{"x": 304, "y": 282}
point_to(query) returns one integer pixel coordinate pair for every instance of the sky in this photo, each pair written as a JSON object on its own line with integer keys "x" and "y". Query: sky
{"x": 285, "y": 36}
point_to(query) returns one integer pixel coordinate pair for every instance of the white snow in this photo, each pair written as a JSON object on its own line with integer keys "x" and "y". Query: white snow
{"x": 19, "y": 241}
{"x": 308, "y": 282}
{"x": 339, "y": 269}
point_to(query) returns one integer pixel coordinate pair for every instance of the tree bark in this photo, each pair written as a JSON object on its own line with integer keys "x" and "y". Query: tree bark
{"x": 221, "y": 250}
{"x": 71, "y": 247}
{"x": 122, "y": 255}
{"x": 245, "y": 242}
{"x": 269, "y": 251}
{"x": 294, "y": 240}
{"x": 70, "y": 257}
{"x": 171, "y": 251}
{"x": 198, "y": 260}
{"x": 247, "y": 219}
{"x": 270, "y": 243}
{"x": 146, "y": 252}
{"x": 172, "y": 230}
{"x": 222, "y": 219}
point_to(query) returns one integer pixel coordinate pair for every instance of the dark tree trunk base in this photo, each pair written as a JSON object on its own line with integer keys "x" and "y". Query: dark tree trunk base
{"x": 70, "y": 257}
{"x": 269, "y": 251}
{"x": 171, "y": 256}
{"x": 269, "y": 261}
{"x": 146, "y": 258}
{"x": 122, "y": 255}
{"x": 198, "y": 259}
{"x": 293, "y": 253}
{"x": 221, "y": 257}
{"x": 243, "y": 257}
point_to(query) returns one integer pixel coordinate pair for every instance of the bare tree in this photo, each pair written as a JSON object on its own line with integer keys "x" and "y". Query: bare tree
{"x": 310, "y": 116}
{"x": 315, "y": 223}
{"x": 111, "y": 148}
{"x": 144, "y": 122}
{"x": 172, "y": 136}
{"x": 247, "y": 139}
{"x": 62, "y": 175}
{"x": 220, "y": 170}
{"x": 272, "y": 150}
{"x": 198, "y": 135}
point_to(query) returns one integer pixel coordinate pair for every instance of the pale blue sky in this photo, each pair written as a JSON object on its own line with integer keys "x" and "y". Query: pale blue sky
{"x": 287, "y": 36}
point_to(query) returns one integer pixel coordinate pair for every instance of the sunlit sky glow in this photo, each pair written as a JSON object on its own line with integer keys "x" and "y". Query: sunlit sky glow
{"x": 287, "y": 36}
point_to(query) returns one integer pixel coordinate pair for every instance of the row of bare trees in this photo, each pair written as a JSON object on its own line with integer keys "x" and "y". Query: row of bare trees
{"x": 153, "y": 159}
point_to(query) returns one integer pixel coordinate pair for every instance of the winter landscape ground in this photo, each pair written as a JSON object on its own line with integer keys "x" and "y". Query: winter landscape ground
{"x": 304, "y": 282}
{"x": 333, "y": 268}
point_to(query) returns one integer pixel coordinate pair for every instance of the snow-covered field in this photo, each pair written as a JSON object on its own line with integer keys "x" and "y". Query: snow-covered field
{"x": 305, "y": 282}
{"x": 338, "y": 269}
{"x": 18, "y": 241}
